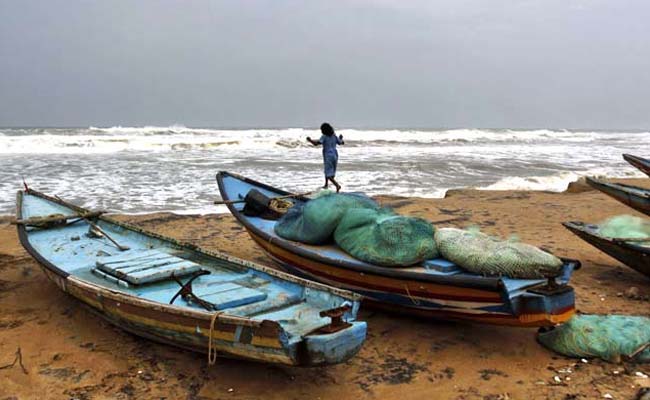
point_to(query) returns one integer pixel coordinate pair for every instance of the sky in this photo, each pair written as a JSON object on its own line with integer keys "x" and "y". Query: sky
{"x": 355, "y": 63}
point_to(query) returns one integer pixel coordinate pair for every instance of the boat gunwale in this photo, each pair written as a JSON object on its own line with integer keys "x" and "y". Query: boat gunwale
{"x": 224, "y": 317}
{"x": 581, "y": 226}
{"x": 489, "y": 283}
{"x": 640, "y": 163}
{"x": 619, "y": 187}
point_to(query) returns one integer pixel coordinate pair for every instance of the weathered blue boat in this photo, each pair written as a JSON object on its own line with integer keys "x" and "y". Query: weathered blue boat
{"x": 632, "y": 252}
{"x": 642, "y": 164}
{"x": 182, "y": 295}
{"x": 436, "y": 288}
{"x": 636, "y": 197}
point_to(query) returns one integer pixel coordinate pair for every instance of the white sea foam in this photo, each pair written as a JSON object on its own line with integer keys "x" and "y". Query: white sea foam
{"x": 171, "y": 168}
{"x": 180, "y": 138}
{"x": 557, "y": 182}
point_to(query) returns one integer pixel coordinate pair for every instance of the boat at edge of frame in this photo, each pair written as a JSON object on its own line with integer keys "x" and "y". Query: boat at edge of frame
{"x": 640, "y": 163}
{"x": 633, "y": 254}
{"x": 254, "y": 312}
{"x": 633, "y": 196}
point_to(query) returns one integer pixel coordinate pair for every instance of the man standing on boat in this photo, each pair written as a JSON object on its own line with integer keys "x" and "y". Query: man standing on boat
{"x": 329, "y": 140}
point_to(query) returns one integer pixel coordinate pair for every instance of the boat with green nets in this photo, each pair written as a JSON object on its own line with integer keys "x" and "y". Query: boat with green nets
{"x": 633, "y": 252}
{"x": 434, "y": 288}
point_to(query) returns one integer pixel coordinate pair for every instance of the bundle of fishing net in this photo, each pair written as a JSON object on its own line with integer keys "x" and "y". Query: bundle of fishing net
{"x": 610, "y": 337}
{"x": 625, "y": 226}
{"x": 381, "y": 237}
{"x": 315, "y": 221}
{"x": 485, "y": 255}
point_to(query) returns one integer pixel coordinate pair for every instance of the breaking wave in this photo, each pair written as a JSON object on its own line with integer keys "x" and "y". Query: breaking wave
{"x": 181, "y": 138}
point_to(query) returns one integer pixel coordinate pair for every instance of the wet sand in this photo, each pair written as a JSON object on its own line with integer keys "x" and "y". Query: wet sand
{"x": 69, "y": 352}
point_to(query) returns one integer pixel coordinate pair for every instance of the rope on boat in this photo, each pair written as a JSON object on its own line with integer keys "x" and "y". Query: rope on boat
{"x": 212, "y": 352}
{"x": 413, "y": 300}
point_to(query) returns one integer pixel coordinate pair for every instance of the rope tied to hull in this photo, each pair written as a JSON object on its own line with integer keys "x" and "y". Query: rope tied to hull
{"x": 408, "y": 293}
{"x": 212, "y": 352}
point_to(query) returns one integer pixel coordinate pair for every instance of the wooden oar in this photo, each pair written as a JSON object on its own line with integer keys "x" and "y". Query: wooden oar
{"x": 55, "y": 218}
{"x": 288, "y": 196}
{"x": 103, "y": 232}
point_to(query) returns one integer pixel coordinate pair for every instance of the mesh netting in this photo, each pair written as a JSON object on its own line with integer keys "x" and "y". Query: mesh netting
{"x": 610, "y": 337}
{"x": 315, "y": 221}
{"x": 625, "y": 226}
{"x": 482, "y": 254}
{"x": 381, "y": 237}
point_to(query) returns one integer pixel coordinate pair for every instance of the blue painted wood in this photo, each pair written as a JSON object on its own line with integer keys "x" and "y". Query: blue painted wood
{"x": 236, "y": 288}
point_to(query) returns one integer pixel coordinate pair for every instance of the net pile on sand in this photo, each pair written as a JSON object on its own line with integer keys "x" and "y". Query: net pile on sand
{"x": 613, "y": 338}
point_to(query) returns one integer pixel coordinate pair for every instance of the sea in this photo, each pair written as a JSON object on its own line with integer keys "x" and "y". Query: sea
{"x": 150, "y": 169}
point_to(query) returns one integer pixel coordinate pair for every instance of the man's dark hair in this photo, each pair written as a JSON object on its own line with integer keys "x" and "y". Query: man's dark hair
{"x": 326, "y": 129}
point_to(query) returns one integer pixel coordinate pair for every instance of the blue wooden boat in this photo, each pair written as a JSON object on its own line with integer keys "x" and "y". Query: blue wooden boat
{"x": 635, "y": 254}
{"x": 185, "y": 296}
{"x": 633, "y": 196}
{"x": 642, "y": 164}
{"x": 436, "y": 288}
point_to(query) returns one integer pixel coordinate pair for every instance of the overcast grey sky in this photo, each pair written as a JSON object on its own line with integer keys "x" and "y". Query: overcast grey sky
{"x": 363, "y": 63}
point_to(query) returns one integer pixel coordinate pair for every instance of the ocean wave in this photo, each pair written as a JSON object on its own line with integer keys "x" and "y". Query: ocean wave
{"x": 181, "y": 138}
{"x": 557, "y": 182}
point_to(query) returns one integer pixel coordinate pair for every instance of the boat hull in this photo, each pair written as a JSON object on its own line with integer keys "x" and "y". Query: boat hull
{"x": 634, "y": 256}
{"x": 425, "y": 299}
{"x": 640, "y": 163}
{"x": 422, "y": 293}
{"x": 193, "y": 329}
{"x": 632, "y": 196}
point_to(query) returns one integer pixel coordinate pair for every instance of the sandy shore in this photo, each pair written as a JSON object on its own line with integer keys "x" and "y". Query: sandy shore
{"x": 70, "y": 353}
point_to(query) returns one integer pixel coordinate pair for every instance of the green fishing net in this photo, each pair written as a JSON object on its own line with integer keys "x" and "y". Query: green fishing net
{"x": 315, "y": 221}
{"x": 625, "y": 226}
{"x": 381, "y": 237}
{"x": 610, "y": 337}
{"x": 485, "y": 255}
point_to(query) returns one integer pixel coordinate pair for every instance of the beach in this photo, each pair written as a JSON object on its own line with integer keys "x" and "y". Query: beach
{"x": 68, "y": 352}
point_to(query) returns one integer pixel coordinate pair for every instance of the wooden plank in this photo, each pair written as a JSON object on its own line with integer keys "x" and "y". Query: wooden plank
{"x": 129, "y": 255}
{"x": 55, "y": 218}
{"x": 234, "y": 297}
{"x": 160, "y": 273}
{"x": 134, "y": 270}
{"x": 141, "y": 264}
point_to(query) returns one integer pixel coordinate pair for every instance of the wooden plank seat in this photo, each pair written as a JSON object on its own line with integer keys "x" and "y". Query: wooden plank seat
{"x": 143, "y": 267}
{"x": 220, "y": 294}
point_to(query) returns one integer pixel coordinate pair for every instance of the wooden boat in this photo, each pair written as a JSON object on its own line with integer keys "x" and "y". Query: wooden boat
{"x": 633, "y": 196}
{"x": 642, "y": 164}
{"x": 226, "y": 306}
{"x": 634, "y": 254}
{"x": 436, "y": 288}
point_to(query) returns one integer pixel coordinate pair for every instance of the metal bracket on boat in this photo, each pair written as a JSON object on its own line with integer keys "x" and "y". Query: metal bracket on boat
{"x": 188, "y": 295}
{"x": 337, "y": 323}
{"x": 551, "y": 287}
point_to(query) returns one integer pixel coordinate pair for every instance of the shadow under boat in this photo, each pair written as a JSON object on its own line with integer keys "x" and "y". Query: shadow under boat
{"x": 632, "y": 252}
{"x": 436, "y": 288}
{"x": 225, "y": 306}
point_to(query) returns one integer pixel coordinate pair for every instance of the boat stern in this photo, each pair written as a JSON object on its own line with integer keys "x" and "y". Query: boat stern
{"x": 547, "y": 303}
{"x": 323, "y": 348}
